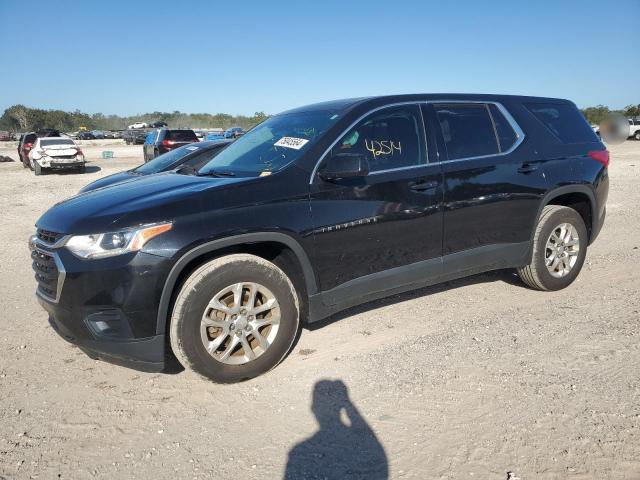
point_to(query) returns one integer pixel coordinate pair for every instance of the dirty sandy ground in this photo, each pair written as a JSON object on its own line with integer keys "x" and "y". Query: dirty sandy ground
{"x": 471, "y": 379}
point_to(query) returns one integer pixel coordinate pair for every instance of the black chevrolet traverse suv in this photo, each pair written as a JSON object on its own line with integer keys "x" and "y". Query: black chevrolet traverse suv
{"x": 315, "y": 210}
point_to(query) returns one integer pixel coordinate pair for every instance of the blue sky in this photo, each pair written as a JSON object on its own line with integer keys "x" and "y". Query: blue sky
{"x": 128, "y": 57}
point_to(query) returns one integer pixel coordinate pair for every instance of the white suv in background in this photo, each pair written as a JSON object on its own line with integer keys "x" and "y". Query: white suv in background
{"x": 634, "y": 128}
{"x": 56, "y": 153}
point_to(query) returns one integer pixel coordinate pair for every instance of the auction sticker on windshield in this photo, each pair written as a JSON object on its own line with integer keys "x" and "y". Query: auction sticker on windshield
{"x": 291, "y": 142}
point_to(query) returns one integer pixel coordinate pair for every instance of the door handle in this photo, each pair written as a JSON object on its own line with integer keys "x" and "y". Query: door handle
{"x": 527, "y": 168}
{"x": 423, "y": 186}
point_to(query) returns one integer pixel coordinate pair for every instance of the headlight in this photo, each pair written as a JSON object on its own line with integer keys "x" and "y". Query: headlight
{"x": 102, "y": 245}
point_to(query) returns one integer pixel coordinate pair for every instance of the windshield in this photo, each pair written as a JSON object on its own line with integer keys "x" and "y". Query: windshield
{"x": 165, "y": 160}
{"x": 273, "y": 144}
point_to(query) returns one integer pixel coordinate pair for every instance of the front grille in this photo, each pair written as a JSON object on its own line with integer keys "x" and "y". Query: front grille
{"x": 65, "y": 157}
{"x": 46, "y": 273}
{"x": 48, "y": 236}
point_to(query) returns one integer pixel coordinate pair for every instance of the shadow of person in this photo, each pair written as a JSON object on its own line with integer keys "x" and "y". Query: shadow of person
{"x": 339, "y": 449}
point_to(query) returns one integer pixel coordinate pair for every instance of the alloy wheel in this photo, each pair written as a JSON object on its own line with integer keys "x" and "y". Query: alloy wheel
{"x": 240, "y": 323}
{"x": 562, "y": 249}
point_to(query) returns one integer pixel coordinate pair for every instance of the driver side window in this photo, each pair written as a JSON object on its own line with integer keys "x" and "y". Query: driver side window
{"x": 389, "y": 138}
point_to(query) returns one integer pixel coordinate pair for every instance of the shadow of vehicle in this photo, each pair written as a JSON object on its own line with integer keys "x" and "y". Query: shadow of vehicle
{"x": 508, "y": 276}
{"x": 338, "y": 450}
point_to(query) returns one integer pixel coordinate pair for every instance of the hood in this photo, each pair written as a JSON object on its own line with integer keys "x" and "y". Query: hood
{"x": 147, "y": 199}
{"x": 109, "y": 180}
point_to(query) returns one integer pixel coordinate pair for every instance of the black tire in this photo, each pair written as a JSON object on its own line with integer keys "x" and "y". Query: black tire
{"x": 199, "y": 289}
{"x": 536, "y": 275}
{"x": 37, "y": 168}
{"x": 29, "y": 164}
{"x": 637, "y": 135}
{"x": 24, "y": 164}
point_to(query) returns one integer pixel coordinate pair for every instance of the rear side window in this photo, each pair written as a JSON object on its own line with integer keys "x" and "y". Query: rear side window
{"x": 564, "y": 121}
{"x": 181, "y": 135}
{"x": 467, "y": 130}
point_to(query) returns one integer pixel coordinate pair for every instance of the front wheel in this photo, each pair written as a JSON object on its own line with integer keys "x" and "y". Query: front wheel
{"x": 637, "y": 135}
{"x": 234, "y": 318}
{"x": 559, "y": 249}
{"x": 37, "y": 168}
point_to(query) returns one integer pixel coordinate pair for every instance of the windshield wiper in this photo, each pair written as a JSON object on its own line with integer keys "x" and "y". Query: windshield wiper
{"x": 216, "y": 173}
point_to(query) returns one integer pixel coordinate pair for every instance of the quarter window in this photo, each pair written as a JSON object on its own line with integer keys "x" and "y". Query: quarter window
{"x": 506, "y": 135}
{"x": 564, "y": 121}
{"x": 468, "y": 130}
{"x": 390, "y": 138}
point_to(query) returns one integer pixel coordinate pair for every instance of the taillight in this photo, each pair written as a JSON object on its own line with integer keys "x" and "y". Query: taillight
{"x": 27, "y": 146}
{"x": 168, "y": 143}
{"x": 600, "y": 156}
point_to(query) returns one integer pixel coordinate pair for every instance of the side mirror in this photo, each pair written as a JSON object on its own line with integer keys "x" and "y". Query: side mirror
{"x": 344, "y": 165}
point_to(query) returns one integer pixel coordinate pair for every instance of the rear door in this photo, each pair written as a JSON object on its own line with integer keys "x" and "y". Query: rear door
{"x": 493, "y": 184}
{"x": 367, "y": 229}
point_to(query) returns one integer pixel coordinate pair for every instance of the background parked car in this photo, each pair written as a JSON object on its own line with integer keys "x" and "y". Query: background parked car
{"x": 195, "y": 156}
{"x": 214, "y": 136}
{"x": 233, "y": 132}
{"x": 165, "y": 140}
{"x": 25, "y": 144}
{"x": 28, "y": 140}
{"x": 5, "y": 136}
{"x": 98, "y": 134}
{"x": 159, "y": 124}
{"x": 634, "y": 128}
{"x": 138, "y": 125}
{"x": 86, "y": 136}
{"x": 134, "y": 137}
{"x": 55, "y": 153}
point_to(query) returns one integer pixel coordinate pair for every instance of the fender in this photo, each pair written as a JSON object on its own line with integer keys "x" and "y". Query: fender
{"x": 556, "y": 192}
{"x": 247, "y": 238}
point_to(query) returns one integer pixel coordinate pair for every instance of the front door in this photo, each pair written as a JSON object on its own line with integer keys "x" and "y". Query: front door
{"x": 386, "y": 227}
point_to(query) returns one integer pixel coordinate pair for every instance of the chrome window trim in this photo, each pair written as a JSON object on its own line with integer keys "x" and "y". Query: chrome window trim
{"x": 501, "y": 108}
{"x": 520, "y": 136}
{"x": 362, "y": 117}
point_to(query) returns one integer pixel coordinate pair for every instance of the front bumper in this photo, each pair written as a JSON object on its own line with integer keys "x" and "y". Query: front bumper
{"x": 107, "y": 307}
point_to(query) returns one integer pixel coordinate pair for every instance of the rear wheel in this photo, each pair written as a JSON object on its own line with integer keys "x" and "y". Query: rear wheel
{"x": 559, "y": 249}
{"x": 637, "y": 135}
{"x": 235, "y": 318}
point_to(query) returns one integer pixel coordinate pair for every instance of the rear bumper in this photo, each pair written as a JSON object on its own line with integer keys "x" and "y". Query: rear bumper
{"x": 597, "y": 226}
{"x": 61, "y": 166}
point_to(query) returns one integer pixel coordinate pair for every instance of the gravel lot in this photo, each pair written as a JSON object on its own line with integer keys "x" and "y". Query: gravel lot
{"x": 470, "y": 379}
